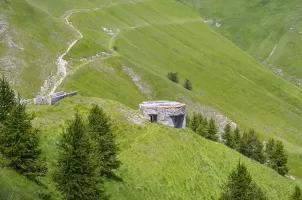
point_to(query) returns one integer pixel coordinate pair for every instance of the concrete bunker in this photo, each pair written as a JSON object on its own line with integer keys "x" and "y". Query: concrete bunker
{"x": 168, "y": 113}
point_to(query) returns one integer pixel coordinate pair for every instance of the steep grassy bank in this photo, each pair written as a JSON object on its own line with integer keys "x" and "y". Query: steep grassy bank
{"x": 268, "y": 30}
{"x": 158, "y": 162}
{"x": 160, "y": 39}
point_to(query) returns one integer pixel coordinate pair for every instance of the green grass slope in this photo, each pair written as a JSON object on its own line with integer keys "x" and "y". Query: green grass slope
{"x": 129, "y": 65}
{"x": 269, "y": 30}
{"x": 154, "y": 37}
{"x": 158, "y": 162}
{"x": 30, "y": 42}
{"x": 15, "y": 187}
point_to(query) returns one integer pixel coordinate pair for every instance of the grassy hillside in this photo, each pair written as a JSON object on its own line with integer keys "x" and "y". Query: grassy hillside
{"x": 158, "y": 162}
{"x": 269, "y": 30}
{"x": 127, "y": 49}
{"x": 153, "y": 38}
{"x": 30, "y": 43}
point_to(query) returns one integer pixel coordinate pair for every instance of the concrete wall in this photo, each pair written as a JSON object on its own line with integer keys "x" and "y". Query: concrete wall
{"x": 54, "y": 98}
{"x": 173, "y": 116}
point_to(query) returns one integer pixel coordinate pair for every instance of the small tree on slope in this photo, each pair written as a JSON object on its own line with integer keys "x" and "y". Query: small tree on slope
{"x": 212, "y": 130}
{"x": 297, "y": 194}
{"x": 251, "y": 146}
{"x": 196, "y": 121}
{"x": 228, "y": 137}
{"x": 279, "y": 159}
{"x": 269, "y": 149}
{"x": 78, "y": 172}
{"x": 173, "y": 76}
{"x": 237, "y": 138}
{"x": 7, "y": 99}
{"x": 187, "y": 84}
{"x": 19, "y": 143}
{"x": 100, "y": 131}
{"x": 241, "y": 187}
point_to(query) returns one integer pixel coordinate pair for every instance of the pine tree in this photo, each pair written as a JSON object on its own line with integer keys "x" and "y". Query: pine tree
{"x": 279, "y": 159}
{"x": 269, "y": 148}
{"x": 19, "y": 143}
{"x": 297, "y": 194}
{"x": 212, "y": 130}
{"x": 99, "y": 126}
{"x": 173, "y": 76}
{"x": 237, "y": 138}
{"x": 187, "y": 84}
{"x": 251, "y": 146}
{"x": 77, "y": 173}
{"x": 202, "y": 129}
{"x": 228, "y": 137}
{"x": 196, "y": 121}
{"x": 7, "y": 99}
{"x": 241, "y": 187}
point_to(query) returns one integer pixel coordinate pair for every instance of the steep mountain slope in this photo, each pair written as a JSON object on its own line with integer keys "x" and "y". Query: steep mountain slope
{"x": 122, "y": 50}
{"x": 158, "y": 162}
{"x": 30, "y": 42}
{"x": 269, "y": 30}
{"x": 153, "y": 38}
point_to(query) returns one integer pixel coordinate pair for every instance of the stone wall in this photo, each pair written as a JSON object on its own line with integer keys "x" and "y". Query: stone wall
{"x": 53, "y": 98}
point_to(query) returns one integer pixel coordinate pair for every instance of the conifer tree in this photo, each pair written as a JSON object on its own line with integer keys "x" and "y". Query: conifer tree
{"x": 228, "y": 136}
{"x": 173, "y": 76}
{"x": 212, "y": 130}
{"x": 7, "y": 99}
{"x": 78, "y": 171}
{"x": 297, "y": 194}
{"x": 196, "y": 121}
{"x": 187, "y": 84}
{"x": 279, "y": 159}
{"x": 269, "y": 149}
{"x": 237, "y": 138}
{"x": 19, "y": 143}
{"x": 251, "y": 146}
{"x": 202, "y": 129}
{"x": 99, "y": 127}
{"x": 241, "y": 187}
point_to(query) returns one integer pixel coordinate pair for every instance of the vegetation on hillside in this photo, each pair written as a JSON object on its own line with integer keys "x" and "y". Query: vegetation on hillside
{"x": 240, "y": 186}
{"x": 100, "y": 131}
{"x": 152, "y": 42}
{"x": 173, "y": 76}
{"x": 128, "y": 64}
{"x": 248, "y": 144}
{"x": 297, "y": 194}
{"x": 78, "y": 169}
{"x": 18, "y": 138}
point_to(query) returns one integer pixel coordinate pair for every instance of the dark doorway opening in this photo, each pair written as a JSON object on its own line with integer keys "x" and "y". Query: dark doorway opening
{"x": 153, "y": 118}
{"x": 178, "y": 121}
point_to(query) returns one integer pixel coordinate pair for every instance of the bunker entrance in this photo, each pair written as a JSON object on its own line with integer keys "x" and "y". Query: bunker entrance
{"x": 178, "y": 121}
{"x": 153, "y": 118}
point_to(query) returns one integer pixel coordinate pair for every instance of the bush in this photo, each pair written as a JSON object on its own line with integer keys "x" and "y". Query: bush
{"x": 187, "y": 84}
{"x": 173, "y": 77}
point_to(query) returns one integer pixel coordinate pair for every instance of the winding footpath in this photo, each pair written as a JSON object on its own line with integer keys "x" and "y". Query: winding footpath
{"x": 51, "y": 84}
{"x": 55, "y": 81}
{"x": 61, "y": 63}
